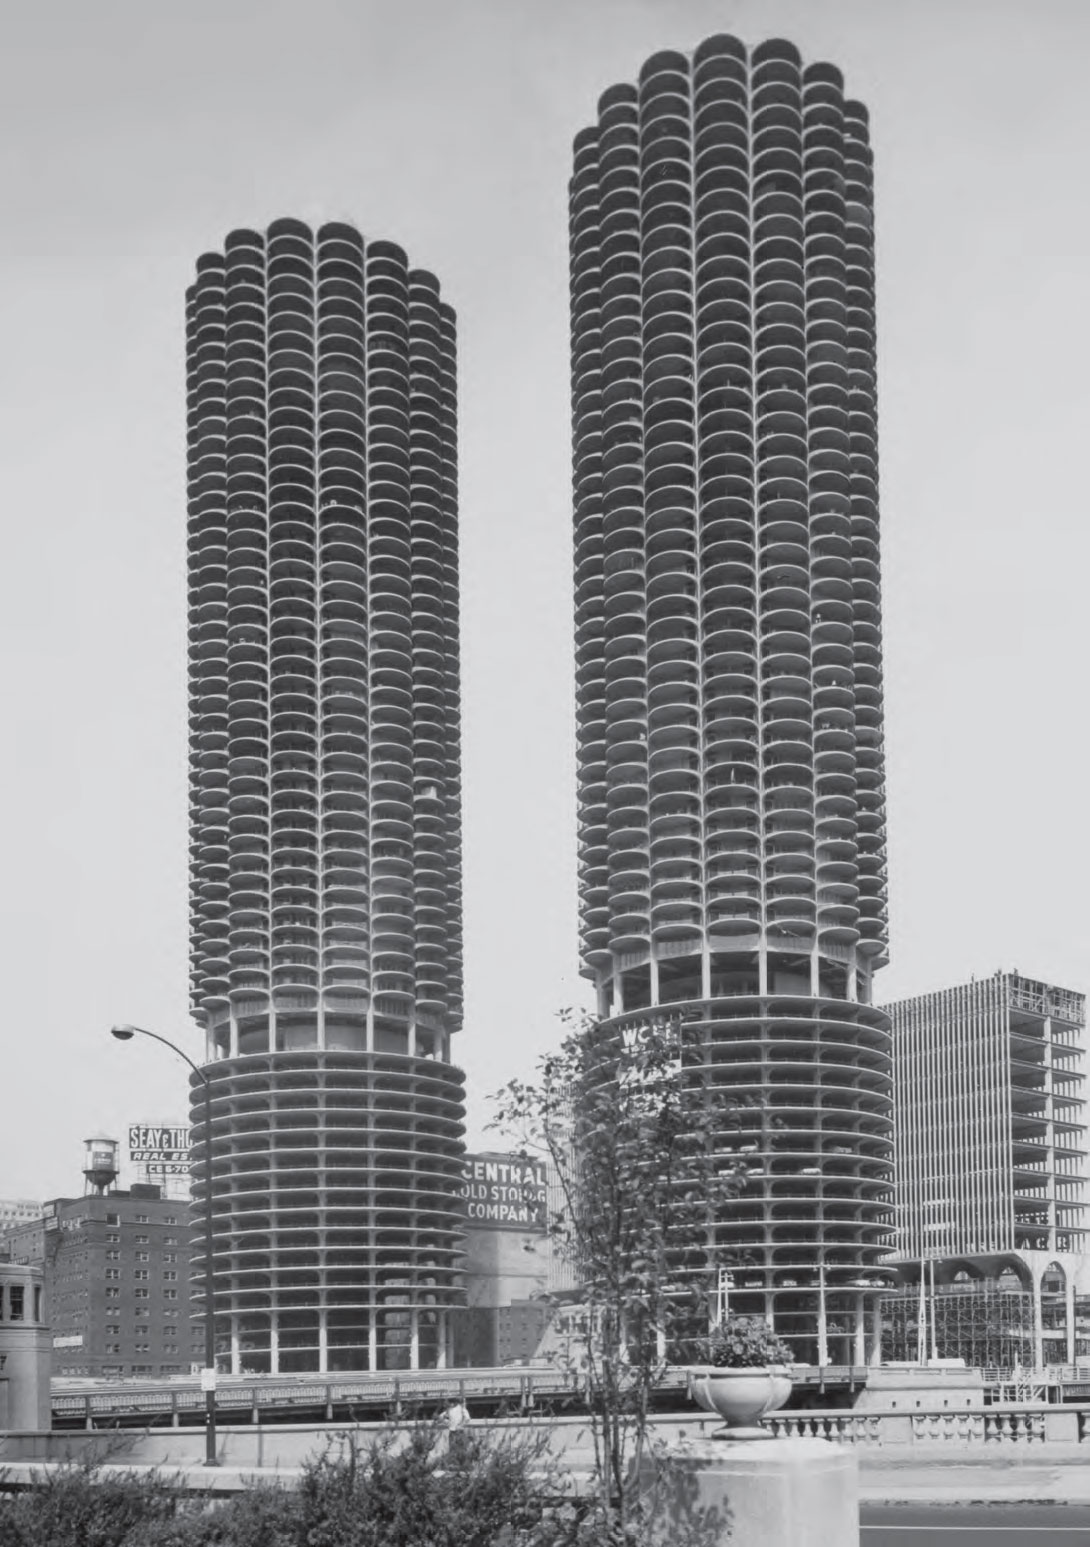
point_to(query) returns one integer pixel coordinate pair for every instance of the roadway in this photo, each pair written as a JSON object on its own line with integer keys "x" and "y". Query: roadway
{"x": 974, "y": 1525}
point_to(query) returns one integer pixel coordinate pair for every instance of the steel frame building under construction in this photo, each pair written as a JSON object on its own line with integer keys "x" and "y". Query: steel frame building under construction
{"x": 991, "y": 1151}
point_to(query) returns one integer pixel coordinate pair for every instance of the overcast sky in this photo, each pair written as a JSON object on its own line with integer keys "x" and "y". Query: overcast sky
{"x": 133, "y": 136}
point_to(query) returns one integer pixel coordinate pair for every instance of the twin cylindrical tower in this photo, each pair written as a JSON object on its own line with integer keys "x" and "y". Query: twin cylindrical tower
{"x": 731, "y": 799}
{"x": 325, "y": 796}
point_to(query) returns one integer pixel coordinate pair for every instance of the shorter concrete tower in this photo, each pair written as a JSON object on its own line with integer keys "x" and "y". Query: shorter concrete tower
{"x": 325, "y": 798}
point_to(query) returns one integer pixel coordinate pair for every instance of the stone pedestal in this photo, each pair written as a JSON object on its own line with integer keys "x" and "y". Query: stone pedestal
{"x": 755, "y": 1493}
{"x": 26, "y": 1350}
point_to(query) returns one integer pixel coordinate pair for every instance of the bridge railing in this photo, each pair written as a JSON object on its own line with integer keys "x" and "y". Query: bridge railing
{"x": 390, "y": 1392}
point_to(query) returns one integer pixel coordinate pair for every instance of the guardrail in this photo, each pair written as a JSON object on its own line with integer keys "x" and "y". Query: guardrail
{"x": 244, "y": 1401}
{"x": 247, "y": 1403}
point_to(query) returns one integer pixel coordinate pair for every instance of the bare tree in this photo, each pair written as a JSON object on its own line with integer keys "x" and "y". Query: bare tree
{"x": 637, "y": 1141}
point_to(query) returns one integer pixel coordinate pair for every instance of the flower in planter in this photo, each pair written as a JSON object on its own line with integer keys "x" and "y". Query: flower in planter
{"x": 745, "y": 1343}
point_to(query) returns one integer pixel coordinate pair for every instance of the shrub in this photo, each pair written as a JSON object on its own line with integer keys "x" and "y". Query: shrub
{"x": 80, "y": 1506}
{"x": 423, "y": 1486}
{"x": 263, "y": 1516}
{"x": 428, "y": 1488}
{"x": 745, "y": 1343}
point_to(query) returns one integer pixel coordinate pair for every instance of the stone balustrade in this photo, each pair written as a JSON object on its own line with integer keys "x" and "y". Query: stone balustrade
{"x": 1025, "y": 1425}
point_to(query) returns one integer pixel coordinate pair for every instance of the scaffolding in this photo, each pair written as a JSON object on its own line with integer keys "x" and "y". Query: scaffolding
{"x": 982, "y": 1323}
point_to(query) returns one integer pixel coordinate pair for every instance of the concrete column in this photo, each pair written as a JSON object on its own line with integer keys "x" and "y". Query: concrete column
{"x": 236, "y": 1352}
{"x": 874, "y": 1355}
{"x": 274, "y": 1342}
{"x": 1069, "y": 1312}
{"x": 754, "y": 1493}
{"x": 323, "y": 1341}
{"x": 822, "y": 1327}
{"x": 1038, "y": 1329}
{"x": 414, "y": 1339}
{"x": 859, "y": 1353}
{"x": 372, "y": 1341}
{"x": 653, "y": 979}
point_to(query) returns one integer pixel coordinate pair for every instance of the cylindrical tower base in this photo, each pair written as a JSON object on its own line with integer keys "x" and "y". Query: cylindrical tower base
{"x": 336, "y": 1209}
{"x": 805, "y": 1090}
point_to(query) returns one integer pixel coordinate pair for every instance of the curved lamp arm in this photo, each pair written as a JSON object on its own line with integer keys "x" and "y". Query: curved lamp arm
{"x": 125, "y": 1033}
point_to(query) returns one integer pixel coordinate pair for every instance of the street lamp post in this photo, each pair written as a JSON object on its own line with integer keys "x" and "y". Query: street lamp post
{"x": 125, "y": 1033}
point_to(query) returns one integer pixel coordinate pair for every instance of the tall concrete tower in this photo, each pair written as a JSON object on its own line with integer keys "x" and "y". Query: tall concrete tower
{"x": 732, "y": 821}
{"x": 325, "y": 796}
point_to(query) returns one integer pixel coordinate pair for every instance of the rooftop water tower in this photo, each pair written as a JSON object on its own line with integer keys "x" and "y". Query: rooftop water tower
{"x": 100, "y": 1164}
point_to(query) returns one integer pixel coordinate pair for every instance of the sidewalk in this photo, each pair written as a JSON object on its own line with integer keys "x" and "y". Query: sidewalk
{"x": 940, "y": 1475}
{"x": 1003, "y": 1474}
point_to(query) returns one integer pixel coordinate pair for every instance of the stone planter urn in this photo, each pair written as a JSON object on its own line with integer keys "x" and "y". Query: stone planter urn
{"x": 740, "y": 1396}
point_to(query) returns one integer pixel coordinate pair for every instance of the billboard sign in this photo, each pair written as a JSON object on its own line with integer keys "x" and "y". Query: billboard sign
{"x": 505, "y": 1191}
{"x": 161, "y": 1151}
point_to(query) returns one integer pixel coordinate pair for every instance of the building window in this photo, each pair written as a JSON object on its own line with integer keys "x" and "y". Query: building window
{"x": 113, "y": 1294}
{"x": 113, "y": 1219}
{"x": 113, "y": 1348}
{"x": 168, "y": 1294}
{"x": 139, "y": 1272}
{"x": 141, "y": 1240}
{"x": 113, "y": 1256}
{"x": 15, "y": 1302}
{"x": 170, "y": 1240}
{"x": 171, "y": 1219}
{"x": 170, "y": 1275}
{"x": 170, "y": 1313}
{"x": 143, "y": 1256}
{"x": 113, "y": 1272}
{"x": 142, "y": 1294}
{"x": 170, "y": 1256}
{"x": 113, "y": 1236}
{"x": 113, "y": 1330}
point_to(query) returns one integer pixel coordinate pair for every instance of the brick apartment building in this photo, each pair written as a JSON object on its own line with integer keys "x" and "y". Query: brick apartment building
{"x": 116, "y": 1274}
